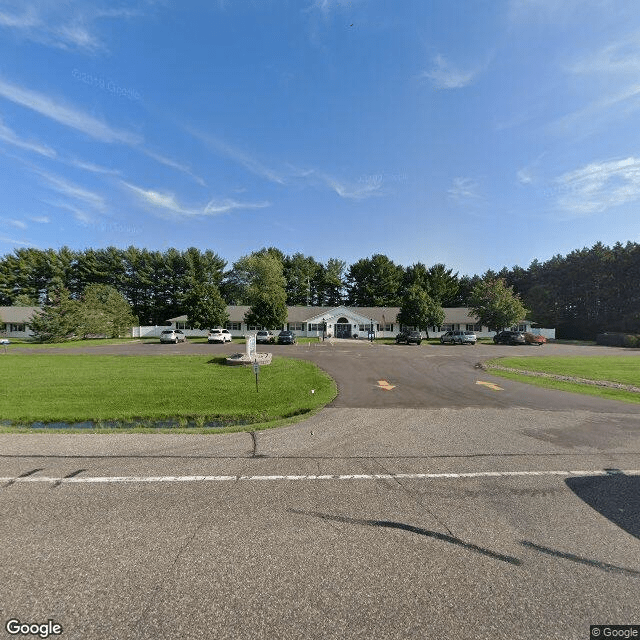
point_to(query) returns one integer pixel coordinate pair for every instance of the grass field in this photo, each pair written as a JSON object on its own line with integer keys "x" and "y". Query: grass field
{"x": 614, "y": 369}
{"x": 75, "y": 388}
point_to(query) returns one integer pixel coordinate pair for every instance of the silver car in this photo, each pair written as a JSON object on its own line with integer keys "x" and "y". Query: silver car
{"x": 459, "y": 337}
{"x": 173, "y": 335}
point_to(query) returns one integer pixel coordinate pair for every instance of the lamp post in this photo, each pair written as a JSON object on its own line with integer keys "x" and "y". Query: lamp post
{"x": 371, "y": 331}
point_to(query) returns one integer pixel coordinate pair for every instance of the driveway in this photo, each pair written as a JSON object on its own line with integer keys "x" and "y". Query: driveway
{"x": 433, "y": 508}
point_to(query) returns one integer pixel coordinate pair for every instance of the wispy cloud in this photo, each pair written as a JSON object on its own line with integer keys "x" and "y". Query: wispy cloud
{"x": 464, "y": 191}
{"x": 19, "y": 224}
{"x": 80, "y": 214}
{"x": 66, "y": 115}
{"x": 249, "y": 162}
{"x": 445, "y": 75}
{"x": 620, "y": 57}
{"x": 167, "y": 205}
{"x": 610, "y": 76}
{"x": 599, "y": 186}
{"x": 174, "y": 165}
{"x": 71, "y": 25}
{"x": 71, "y": 190}
{"x": 7, "y": 240}
{"x": 92, "y": 167}
{"x": 290, "y": 175}
{"x": 10, "y": 137}
{"x": 40, "y": 219}
{"x": 350, "y": 190}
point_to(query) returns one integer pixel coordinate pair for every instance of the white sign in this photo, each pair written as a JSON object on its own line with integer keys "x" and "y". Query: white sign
{"x": 251, "y": 346}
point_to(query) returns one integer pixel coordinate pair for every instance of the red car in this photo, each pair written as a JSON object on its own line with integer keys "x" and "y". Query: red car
{"x": 532, "y": 338}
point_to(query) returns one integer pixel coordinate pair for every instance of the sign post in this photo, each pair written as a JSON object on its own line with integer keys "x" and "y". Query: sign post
{"x": 256, "y": 370}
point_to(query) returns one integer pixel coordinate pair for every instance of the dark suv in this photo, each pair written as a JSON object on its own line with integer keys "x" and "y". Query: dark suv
{"x": 408, "y": 337}
{"x": 286, "y": 337}
{"x": 509, "y": 337}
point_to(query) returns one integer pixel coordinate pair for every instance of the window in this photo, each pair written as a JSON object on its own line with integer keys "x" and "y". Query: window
{"x": 234, "y": 326}
{"x": 182, "y": 325}
{"x": 520, "y": 327}
{"x": 388, "y": 327}
{"x": 296, "y": 326}
{"x": 446, "y": 327}
{"x": 17, "y": 327}
{"x": 314, "y": 327}
{"x": 474, "y": 327}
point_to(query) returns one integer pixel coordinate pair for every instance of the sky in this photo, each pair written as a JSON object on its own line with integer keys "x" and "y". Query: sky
{"x": 472, "y": 133}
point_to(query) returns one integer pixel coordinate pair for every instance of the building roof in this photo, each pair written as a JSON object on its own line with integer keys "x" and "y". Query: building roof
{"x": 380, "y": 315}
{"x": 18, "y": 315}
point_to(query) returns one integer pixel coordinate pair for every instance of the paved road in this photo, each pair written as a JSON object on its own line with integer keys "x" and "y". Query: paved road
{"x": 437, "y": 509}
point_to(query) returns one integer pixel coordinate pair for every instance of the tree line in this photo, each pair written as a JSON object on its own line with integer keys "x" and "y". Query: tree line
{"x": 581, "y": 294}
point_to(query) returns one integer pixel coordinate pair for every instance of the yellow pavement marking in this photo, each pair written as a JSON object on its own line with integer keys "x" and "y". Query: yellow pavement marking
{"x": 383, "y": 384}
{"x": 495, "y": 387}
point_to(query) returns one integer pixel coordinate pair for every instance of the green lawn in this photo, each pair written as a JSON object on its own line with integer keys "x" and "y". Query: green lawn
{"x": 74, "y": 388}
{"x": 619, "y": 369}
{"x": 30, "y": 344}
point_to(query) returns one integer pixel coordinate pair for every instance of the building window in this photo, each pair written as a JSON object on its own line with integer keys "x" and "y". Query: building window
{"x": 17, "y": 327}
{"x": 234, "y": 326}
{"x": 253, "y": 328}
{"x": 388, "y": 327}
{"x": 446, "y": 327}
{"x": 314, "y": 327}
{"x": 520, "y": 327}
{"x": 474, "y": 327}
{"x": 296, "y": 326}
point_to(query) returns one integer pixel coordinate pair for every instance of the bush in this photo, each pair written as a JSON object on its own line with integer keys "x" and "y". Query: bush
{"x": 619, "y": 340}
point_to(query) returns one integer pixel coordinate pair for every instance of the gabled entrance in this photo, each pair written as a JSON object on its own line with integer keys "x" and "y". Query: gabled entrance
{"x": 343, "y": 328}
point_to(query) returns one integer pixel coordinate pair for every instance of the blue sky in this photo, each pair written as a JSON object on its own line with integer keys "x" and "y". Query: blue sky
{"x": 478, "y": 134}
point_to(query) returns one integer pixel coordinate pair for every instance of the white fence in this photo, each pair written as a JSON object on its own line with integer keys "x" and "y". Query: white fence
{"x": 155, "y": 331}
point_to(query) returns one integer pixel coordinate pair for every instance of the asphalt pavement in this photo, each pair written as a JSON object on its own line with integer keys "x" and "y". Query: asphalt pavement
{"x": 427, "y": 507}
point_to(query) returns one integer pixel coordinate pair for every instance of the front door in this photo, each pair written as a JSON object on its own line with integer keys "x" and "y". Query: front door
{"x": 343, "y": 328}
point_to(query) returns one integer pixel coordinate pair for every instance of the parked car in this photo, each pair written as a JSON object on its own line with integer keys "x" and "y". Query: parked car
{"x": 532, "y": 338}
{"x": 265, "y": 337}
{"x": 459, "y": 337}
{"x": 173, "y": 335}
{"x": 219, "y": 335}
{"x": 509, "y": 337}
{"x": 287, "y": 337}
{"x": 408, "y": 337}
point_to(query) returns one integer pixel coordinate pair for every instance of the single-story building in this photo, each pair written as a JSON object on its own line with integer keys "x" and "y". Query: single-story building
{"x": 347, "y": 322}
{"x": 15, "y": 322}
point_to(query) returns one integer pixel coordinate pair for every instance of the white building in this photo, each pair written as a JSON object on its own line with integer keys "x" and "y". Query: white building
{"x": 348, "y": 322}
{"x": 15, "y": 322}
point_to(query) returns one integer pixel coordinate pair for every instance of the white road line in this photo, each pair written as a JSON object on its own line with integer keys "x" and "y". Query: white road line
{"x": 359, "y": 476}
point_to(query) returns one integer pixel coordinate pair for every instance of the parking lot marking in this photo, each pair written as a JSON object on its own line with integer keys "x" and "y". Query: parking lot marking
{"x": 383, "y": 384}
{"x": 491, "y": 385}
{"x": 275, "y": 478}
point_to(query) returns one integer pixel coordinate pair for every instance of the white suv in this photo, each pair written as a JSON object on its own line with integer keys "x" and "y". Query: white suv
{"x": 219, "y": 335}
{"x": 172, "y": 335}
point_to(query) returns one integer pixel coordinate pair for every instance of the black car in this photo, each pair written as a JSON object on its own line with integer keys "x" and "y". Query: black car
{"x": 286, "y": 337}
{"x": 408, "y": 337}
{"x": 509, "y": 337}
